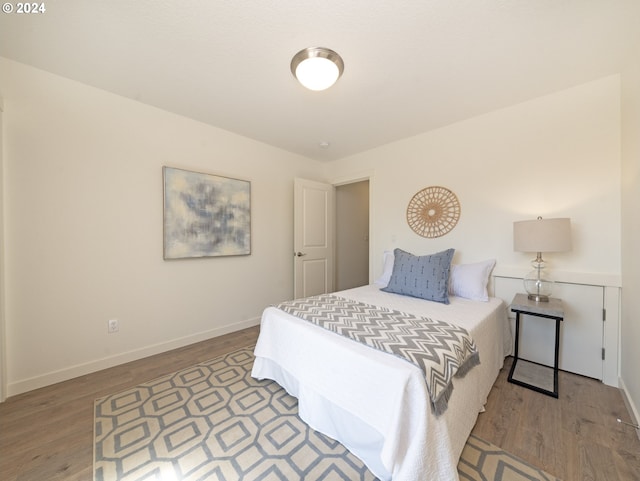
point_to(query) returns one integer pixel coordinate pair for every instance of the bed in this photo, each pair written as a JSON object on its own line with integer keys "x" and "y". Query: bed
{"x": 377, "y": 404}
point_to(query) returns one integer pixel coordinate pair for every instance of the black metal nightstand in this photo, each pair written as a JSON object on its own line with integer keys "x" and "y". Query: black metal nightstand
{"x": 526, "y": 373}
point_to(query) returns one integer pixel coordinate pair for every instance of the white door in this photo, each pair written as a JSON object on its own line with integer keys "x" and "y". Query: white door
{"x": 581, "y": 332}
{"x": 583, "y": 329}
{"x": 313, "y": 238}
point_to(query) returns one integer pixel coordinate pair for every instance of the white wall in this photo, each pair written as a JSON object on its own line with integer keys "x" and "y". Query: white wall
{"x": 630, "y": 328}
{"x": 558, "y": 155}
{"x": 84, "y": 229}
{"x": 3, "y": 363}
{"x": 83, "y": 204}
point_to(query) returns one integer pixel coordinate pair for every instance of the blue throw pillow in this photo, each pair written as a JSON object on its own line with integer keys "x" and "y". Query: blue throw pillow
{"x": 426, "y": 277}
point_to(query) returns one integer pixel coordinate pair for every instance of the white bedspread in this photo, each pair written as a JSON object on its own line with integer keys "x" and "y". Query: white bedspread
{"x": 377, "y": 404}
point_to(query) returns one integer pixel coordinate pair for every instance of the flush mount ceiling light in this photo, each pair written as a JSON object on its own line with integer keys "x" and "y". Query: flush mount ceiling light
{"x": 317, "y": 68}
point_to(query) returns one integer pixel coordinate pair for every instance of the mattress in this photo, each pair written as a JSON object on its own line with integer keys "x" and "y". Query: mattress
{"x": 376, "y": 404}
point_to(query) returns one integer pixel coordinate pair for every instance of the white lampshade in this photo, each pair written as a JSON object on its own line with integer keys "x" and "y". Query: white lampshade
{"x": 542, "y": 235}
{"x": 317, "y": 68}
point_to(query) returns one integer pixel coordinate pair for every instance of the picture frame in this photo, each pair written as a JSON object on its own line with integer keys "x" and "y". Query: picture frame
{"x": 205, "y": 215}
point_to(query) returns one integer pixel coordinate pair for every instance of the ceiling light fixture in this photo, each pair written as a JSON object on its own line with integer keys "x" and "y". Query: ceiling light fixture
{"x": 317, "y": 68}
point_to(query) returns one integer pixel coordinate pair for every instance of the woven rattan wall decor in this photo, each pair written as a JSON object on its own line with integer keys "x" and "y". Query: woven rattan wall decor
{"x": 433, "y": 211}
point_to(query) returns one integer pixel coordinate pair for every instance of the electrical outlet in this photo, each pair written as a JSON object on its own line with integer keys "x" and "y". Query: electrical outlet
{"x": 112, "y": 326}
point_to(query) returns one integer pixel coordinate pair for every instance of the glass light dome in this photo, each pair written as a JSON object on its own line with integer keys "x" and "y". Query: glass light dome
{"x": 317, "y": 68}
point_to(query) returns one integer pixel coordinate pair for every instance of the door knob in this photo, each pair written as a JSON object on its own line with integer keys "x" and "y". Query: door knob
{"x": 300, "y": 254}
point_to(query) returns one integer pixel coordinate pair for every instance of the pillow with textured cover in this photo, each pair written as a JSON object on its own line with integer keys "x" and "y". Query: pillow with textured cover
{"x": 425, "y": 277}
{"x": 470, "y": 280}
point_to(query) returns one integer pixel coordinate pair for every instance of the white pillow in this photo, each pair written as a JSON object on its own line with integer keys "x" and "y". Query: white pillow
{"x": 470, "y": 280}
{"x": 387, "y": 269}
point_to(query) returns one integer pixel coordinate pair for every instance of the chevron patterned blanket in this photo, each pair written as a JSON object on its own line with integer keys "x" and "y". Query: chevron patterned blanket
{"x": 440, "y": 349}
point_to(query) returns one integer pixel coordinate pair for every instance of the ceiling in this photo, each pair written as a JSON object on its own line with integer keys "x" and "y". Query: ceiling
{"x": 410, "y": 65}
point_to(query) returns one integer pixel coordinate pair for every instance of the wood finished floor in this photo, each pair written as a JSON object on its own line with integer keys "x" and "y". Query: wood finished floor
{"x": 574, "y": 437}
{"x": 47, "y": 434}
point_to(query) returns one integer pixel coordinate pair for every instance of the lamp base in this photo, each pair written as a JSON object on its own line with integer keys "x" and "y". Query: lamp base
{"x": 538, "y": 298}
{"x": 537, "y": 284}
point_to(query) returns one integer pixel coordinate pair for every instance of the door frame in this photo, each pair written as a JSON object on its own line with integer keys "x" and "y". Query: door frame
{"x": 336, "y": 182}
{"x": 367, "y": 175}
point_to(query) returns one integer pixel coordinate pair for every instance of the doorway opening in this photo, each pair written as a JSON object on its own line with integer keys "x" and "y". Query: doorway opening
{"x": 352, "y": 235}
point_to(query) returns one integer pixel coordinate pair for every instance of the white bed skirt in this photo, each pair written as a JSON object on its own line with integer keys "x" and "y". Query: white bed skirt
{"x": 328, "y": 418}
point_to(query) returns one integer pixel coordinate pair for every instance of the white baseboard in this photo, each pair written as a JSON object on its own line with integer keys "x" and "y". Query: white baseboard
{"x": 111, "y": 361}
{"x": 631, "y": 407}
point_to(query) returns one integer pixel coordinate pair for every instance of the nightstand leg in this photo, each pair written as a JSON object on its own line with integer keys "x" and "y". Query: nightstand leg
{"x": 517, "y": 345}
{"x": 555, "y": 362}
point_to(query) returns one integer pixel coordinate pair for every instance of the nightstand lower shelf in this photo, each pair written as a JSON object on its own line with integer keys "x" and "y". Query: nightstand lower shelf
{"x": 532, "y": 375}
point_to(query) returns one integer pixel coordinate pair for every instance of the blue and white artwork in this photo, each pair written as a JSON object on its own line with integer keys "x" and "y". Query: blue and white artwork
{"x": 205, "y": 215}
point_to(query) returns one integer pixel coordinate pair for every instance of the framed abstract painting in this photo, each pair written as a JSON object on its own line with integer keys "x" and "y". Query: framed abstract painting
{"x": 205, "y": 215}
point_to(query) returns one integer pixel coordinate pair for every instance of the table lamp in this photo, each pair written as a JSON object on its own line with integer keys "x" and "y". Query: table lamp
{"x": 541, "y": 235}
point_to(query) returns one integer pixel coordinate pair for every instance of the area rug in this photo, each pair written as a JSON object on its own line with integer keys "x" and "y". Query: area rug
{"x": 213, "y": 421}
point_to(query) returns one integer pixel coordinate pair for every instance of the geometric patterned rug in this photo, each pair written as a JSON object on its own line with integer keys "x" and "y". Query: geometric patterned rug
{"x": 213, "y": 421}
{"x": 483, "y": 461}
